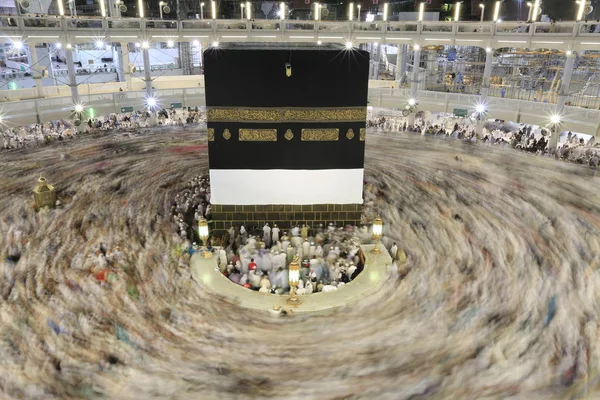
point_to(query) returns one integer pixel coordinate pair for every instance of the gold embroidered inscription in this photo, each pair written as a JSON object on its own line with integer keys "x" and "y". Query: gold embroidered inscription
{"x": 211, "y": 134}
{"x": 350, "y": 134}
{"x": 363, "y": 134}
{"x": 227, "y": 134}
{"x": 258, "y": 135}
{"x": 289, "y": 135}
{"x": 272, "y": 114}
{"x": 320, "y": 135}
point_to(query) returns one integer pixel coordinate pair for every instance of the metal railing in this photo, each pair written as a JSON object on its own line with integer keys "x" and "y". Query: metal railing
{"x": 28, "y": 23}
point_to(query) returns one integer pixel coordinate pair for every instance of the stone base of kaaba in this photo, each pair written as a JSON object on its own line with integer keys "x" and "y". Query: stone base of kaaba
{"x": 286, "y": 216}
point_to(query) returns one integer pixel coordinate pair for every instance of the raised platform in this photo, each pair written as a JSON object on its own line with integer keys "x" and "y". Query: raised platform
{"x": 206, "y": 273}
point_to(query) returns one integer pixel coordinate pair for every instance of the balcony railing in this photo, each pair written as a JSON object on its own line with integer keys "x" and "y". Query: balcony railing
{"x": 28, "y": 23}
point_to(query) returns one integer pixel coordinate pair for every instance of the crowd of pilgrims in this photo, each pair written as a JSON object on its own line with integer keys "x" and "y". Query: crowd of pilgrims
{"x": 520, "y": 137}
{"x": 258, "y": 257}
{"x": 40, "y": 134}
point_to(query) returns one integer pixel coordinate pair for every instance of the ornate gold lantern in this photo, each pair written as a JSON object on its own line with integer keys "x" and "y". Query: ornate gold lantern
{"x": 294, "y": 278}
{"x": 203, "y": 234}
{"x": 377, "y": 233}
{"x": 44, "y": 194}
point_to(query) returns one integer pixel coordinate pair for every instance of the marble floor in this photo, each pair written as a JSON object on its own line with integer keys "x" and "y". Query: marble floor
{"x": 378, "y": 268}
{"x": 499, "y": 300}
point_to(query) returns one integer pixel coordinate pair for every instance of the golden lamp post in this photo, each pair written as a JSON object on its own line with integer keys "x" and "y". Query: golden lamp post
{"x": 377, "y": 233}
{"x": 294, "y": 278}
{"x": 44, "y": 194}
{"x": 203, "y": 233}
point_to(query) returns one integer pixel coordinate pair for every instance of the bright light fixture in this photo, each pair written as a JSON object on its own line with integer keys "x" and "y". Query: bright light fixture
{"x": 137, "y": 44}
{"x": 417, "y": 47}
{"x": 457, "y": 11}
{"x": 78, "y": 108}
{"x": 480, "y": 108}
{"x": 488, "y": 49}
{"x": 555, "y": 119}
{"x": 569, "y": 52}
{"x": 581, "y": 9}
{"x": 349, "y": 45}
{"x": 170, "y": 43}
{"x": 215, "y": 44}
{"x": 17, "y": 45}
{"x": 145, "y": 44}
{"x": 319, "y": 42}
{"x": 412, "y": 102}
{"x": 69, "y": 45}
{"x": 421, "y": 11}
{"x": 151, "y": 102}
{"x": 58, "y": 45}
{"x": 99, "y": 44}
{"x": 496, "y": 10}
{"x": 536, "y": 10}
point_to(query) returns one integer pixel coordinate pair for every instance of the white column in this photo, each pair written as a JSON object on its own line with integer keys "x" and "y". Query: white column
{"x": 414, "y": 84}
{"x": 35, "y": 70}
{"x": 376, "y": 60}
{"x": 148, "y": 80}
{"x": 563, "y": 95}
{"x": 563, "y": 92}
{"x": 371, "y": 55}
{"x": 123, "y": 66}
{"x": 73, "y": 82}
{"x": 487, "y": 73}
{"x": 400, "y": 62}
{"x": 485, "y": 87}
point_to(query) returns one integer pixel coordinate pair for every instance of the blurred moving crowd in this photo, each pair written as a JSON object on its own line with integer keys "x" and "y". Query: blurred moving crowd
{"x": 522, "y": 137}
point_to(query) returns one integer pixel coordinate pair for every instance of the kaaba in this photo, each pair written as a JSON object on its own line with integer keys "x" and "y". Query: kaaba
{"x": 286, "y": 133}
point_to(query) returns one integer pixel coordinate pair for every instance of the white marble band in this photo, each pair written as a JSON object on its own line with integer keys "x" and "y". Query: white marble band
{"x": 285, "y": 186}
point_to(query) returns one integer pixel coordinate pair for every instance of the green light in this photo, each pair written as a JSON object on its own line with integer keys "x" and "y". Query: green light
{"x": 12, "y": 85}
{"x": 92, "y": 113}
